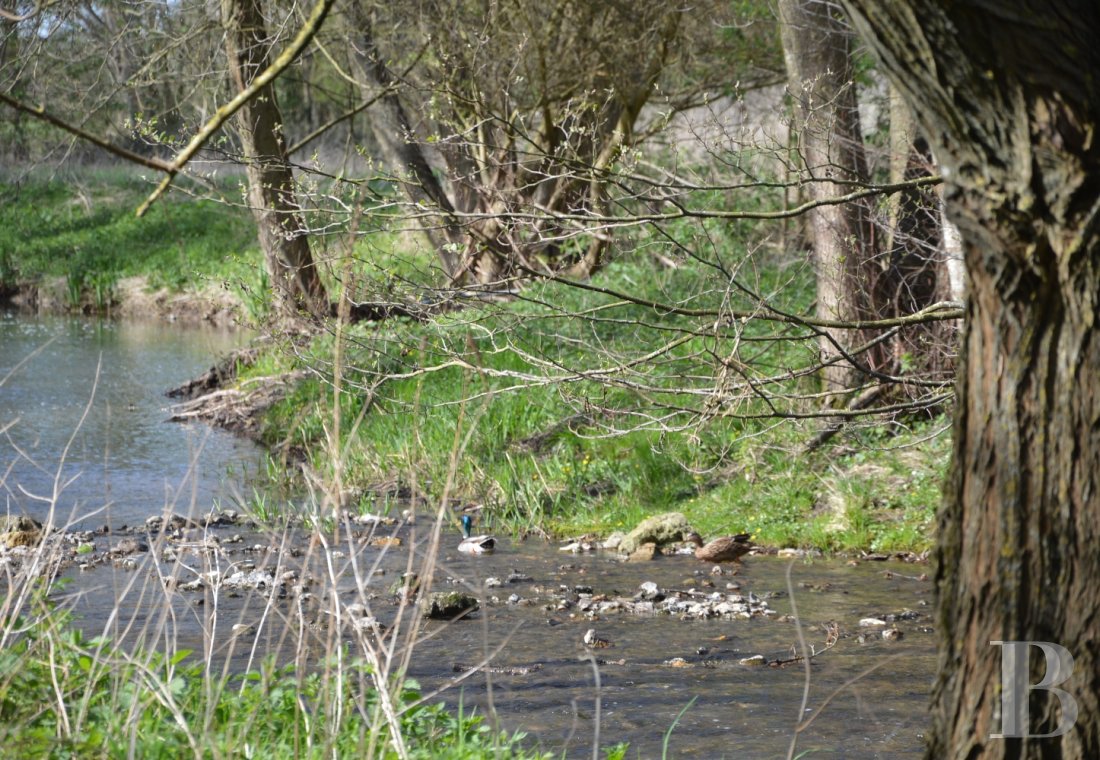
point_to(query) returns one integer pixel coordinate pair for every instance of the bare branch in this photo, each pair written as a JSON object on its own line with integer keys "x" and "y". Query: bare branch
{"x": 264, "y": 78}
{"x": 39, "y": 112}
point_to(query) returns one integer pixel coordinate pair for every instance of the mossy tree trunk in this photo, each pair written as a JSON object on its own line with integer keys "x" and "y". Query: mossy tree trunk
{"x": 296, "y": 283}
{"x": 1010, "y": 96}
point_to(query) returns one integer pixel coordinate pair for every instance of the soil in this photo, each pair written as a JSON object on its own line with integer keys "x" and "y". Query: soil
{"x": 132, "y": 298}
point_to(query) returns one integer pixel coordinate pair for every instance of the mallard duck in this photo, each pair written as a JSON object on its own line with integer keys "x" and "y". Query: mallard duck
{"x": 724, "y": 549}
{"x": 475, "y": 544}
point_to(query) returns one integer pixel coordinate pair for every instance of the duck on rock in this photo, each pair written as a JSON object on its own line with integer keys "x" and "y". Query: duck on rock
{"x": 724, "y": 549}
{"x": 474, "y": 544}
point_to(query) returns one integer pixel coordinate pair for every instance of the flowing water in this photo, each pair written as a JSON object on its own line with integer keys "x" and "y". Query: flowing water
{"x": 83, "y": 413}
{"x": 660, "y": 679}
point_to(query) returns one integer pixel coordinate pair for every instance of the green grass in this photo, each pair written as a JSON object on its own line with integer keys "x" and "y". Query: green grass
{"x": 62, "y": 695}
{"x": 83, "y": 228}
{"x": 615, "y": 465}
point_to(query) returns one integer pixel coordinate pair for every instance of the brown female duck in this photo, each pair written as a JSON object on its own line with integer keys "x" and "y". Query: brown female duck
{"x": 724, "y": 549}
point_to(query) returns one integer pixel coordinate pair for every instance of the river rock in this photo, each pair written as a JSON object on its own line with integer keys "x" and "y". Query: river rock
{"x": 644, "y": 553}
{"x": 448, "y": 605}
{"x": 241, "y": 579}
{"x": 19, "y": 530}
{"x": 385, "y": 542}
{"x": 649, "y": 591}
{"x": 169, "y": 524}
{"x": 659, "y": 529}
{"x": 129, "y": 545}
{"x": 406, "y": 587}
{"x": 614, "y": 540}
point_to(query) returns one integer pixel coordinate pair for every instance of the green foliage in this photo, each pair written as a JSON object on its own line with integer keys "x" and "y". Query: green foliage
{"x": 83, "y": 229}
{"x": 62, "y": 695}
{"x": 539, "y": 455}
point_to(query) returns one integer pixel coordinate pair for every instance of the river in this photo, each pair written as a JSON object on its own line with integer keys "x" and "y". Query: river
{"x": 83, "y": 408}
{"x": 695, "y": 681}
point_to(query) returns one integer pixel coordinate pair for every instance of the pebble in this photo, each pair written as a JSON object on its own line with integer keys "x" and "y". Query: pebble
{"x": 649, "y": 591}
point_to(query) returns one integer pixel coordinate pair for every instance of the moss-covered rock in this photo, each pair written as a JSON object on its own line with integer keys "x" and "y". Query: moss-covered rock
{"x": 659, "y": 529}
{"x": 448, "y": 605}
{"x": 19, "y": 530}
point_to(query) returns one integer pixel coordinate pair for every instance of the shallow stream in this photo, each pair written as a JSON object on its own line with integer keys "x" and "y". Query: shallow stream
{"x": 694, "y": 681}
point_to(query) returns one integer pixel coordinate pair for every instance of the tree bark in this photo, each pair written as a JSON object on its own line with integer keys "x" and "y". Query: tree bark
{"x": 817, "y": 50}
{"x": 1008, "y": 93}
{"x": 915, "y": 273}
{"x": 296, "y": 283}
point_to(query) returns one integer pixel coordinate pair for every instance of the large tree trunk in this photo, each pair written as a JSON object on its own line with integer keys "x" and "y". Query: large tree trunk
{"x": 1009, "y": 94}
{"x": 295, "y": 280}
{"x": 817, "y": 50}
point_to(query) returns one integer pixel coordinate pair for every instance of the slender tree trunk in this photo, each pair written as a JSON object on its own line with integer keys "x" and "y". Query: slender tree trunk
{"x": 295, "y": 280}
{"x": 1010, "y": 95}
{"x": 394, "y": 133}
{"x": 816, "y": 46}
{"x": 952, "y": 256}
{"x": 950, "y": 270}
{"x": 916, "y": 273}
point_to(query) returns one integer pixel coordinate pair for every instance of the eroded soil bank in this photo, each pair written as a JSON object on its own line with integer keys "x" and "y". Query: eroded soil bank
{"x": 130, "y": 297}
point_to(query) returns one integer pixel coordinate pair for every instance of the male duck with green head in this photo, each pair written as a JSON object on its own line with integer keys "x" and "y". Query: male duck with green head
{"x": 474, "y": 544}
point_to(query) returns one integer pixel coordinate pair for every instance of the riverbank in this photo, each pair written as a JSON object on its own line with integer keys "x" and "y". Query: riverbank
{"x": 502, "y": 408}
{"x": 70, "y": 243}
{"x": 127, "y": 298}
{"x": 490, "y": 404}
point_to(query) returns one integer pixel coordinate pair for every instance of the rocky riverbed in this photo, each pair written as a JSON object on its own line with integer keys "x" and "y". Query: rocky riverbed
{"x": 536, "y": 632}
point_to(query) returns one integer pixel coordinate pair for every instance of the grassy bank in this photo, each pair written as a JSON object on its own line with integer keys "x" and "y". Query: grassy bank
{"x": 81, "y": 227}
{"x": 499, "y": 406}
{"x": 540, "y": 408}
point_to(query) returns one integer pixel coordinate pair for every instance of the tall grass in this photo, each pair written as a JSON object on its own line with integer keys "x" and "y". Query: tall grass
{"x": 551, "y": 451}
{"x": 333, "y": 685}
